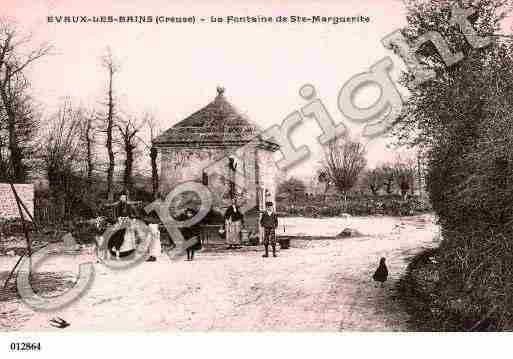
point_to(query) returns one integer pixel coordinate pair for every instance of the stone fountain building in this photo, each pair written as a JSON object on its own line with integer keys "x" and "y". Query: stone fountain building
{"x": 220, "y": 147}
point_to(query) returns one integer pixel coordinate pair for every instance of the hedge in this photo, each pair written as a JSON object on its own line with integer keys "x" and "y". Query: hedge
{"x": 355, "y": 207}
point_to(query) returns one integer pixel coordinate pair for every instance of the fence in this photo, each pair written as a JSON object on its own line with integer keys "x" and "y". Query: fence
{"x": 48, "y": 212}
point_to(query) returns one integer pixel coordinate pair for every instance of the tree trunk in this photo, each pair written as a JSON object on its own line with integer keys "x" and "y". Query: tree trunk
{"x": 3, "y": 162}
{"x": 89, "y": 155}
{"x": 154, "y": 171}
{"x": 19, "y": 175}
{"x": 127, "y": 177}
{"x": 110, "y": 125}
{"x": 419, "y": 173}
{"x": 388, "y": 186}
{"x": 405, "y": 187}
{"x": 17, "y": 167}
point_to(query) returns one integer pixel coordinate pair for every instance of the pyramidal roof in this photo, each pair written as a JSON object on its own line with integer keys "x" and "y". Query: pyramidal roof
{"x": 217, "y": 124}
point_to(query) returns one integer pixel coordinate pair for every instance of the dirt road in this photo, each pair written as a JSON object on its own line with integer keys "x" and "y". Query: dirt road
{"x": 316, "y": 285}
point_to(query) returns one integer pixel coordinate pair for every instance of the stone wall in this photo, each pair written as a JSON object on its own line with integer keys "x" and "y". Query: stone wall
{"x": 188, "y": 164}
{"x": 180, "y": 165}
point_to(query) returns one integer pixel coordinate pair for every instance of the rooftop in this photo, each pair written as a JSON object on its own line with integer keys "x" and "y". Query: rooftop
{"x": 217, "y": 124}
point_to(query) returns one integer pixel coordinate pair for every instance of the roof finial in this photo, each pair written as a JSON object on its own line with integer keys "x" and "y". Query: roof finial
{"x": 220, "y": 90}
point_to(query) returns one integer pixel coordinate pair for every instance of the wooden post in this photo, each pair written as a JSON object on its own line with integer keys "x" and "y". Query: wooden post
{"x": 25, "y": 231}
{"x": 27, "y": 238}
{"x": 259, "y": 196}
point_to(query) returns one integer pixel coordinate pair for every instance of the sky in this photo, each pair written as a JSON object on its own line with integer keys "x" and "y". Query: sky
{"x": 172, "y": 70}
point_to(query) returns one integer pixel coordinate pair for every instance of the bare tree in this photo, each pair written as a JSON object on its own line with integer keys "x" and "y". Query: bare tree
{"x": 17, "y": 107}
{"x": 374, "y": 180}
{"x": 87, "y": 134}
{"x": 129, "y": 139}
{"x": 154, "y": 131}
{"x": 20, "y": 132}
{"x": 344, "y": 161}
{"x": 388, "y": 178}
{"x": 62, "y": 157}
{"x": 323, "y": 176}
{"x": 404, "y": 174}
{"x": 112, "y": 67}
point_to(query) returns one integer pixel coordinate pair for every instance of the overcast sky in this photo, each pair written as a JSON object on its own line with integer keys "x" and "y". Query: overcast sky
{"x": 173, "y": 69}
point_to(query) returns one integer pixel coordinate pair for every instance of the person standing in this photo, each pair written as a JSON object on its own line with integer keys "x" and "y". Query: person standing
{"x": 155, "y": 244}
{"x": 153, "y": 221}
{"x": 233, "y": 222}
{"x": 123, "y": 208}
{"x": 122, "y": 243}
{"x": 191, "y": 233}
{"x": 269, "y": 222}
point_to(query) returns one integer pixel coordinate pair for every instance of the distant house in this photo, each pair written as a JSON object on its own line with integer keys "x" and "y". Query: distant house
{"x": 221, "y": 148}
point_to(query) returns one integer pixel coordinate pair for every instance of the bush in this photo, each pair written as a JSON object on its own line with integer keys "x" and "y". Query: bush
{"x": 470, "y": 185}
{"x": 364, "y": 206}
{"x": 464, "y": 123}
{"x": 14, "y": 227}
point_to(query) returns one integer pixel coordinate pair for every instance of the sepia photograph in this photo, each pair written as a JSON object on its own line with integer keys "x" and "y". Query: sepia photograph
{"x": 265, "y": 168}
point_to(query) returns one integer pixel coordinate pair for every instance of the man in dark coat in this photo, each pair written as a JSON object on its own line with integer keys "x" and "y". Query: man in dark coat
{"x": 191, "y": 232}
{"x": 123, "y": 208}
{"x": 269, "y": 222}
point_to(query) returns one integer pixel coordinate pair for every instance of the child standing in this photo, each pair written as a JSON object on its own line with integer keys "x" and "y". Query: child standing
{"x": 269, "y": 221}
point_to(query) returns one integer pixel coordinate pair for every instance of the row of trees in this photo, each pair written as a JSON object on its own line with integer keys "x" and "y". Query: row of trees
{"x": 79, "y": 150}
{"x": 344, "y": 169}
{"x": 398, "y": 176}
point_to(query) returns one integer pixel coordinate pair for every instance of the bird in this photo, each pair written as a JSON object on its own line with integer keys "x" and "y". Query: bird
{"x": 381, "y": 273}
{"x": 59, "y": 323}
{"x": 232, "y": 164}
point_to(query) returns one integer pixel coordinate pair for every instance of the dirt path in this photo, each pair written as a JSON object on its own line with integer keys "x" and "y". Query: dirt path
{"x": 315, "y": 285}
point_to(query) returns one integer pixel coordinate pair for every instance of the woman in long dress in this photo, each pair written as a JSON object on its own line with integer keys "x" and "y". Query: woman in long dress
{"x": 233, "y": 222}
{"x": 122, "y": 242}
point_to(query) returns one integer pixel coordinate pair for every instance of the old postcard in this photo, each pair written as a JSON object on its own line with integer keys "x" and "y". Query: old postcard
{"x": 254, "y": 166}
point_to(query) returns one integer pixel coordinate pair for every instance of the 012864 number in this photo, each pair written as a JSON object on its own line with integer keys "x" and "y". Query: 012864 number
{"x": 25, "y": 346}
